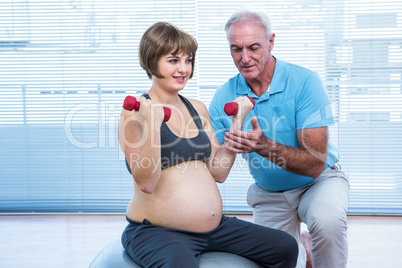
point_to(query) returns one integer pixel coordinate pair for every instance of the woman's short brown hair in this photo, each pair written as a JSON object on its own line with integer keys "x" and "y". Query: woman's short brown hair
{"x": 164, "y": 38}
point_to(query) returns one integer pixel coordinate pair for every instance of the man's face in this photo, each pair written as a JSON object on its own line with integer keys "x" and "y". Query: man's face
{"x": 250, "y": 49}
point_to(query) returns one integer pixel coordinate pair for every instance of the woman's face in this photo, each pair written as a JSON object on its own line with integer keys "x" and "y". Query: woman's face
{"x": 175, "y": 69}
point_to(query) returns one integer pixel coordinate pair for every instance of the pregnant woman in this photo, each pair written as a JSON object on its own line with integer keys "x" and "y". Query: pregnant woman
{"x": 175, "y": 213}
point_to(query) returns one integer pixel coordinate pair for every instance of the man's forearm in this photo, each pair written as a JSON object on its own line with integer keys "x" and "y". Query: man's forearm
{"x": 295, "y": 160}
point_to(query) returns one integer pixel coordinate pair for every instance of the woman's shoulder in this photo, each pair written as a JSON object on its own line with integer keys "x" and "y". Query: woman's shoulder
{"x": 199, "y": 106}
{"x": 201, "y": 109}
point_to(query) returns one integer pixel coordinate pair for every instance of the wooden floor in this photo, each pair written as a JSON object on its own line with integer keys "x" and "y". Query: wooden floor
{"x": 72, "y": 241}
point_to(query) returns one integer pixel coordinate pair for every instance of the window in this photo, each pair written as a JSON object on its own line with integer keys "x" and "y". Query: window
{"x": 66, "y": 66}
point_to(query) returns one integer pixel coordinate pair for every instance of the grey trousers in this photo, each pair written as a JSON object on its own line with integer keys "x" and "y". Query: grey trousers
{"x": 321, "y": 205}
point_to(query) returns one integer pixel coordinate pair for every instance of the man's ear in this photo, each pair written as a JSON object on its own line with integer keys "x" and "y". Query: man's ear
{"x": 271, "y": 41}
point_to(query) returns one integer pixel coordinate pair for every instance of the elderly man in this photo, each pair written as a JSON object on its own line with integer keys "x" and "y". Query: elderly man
{"x": 286, "y": 143}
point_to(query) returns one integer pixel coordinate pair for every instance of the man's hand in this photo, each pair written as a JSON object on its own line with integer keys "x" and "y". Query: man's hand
{"x": 309, "y": 160}
{"x": 246, "y": 142}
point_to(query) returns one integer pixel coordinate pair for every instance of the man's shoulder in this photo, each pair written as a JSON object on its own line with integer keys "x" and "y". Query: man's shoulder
{"x": 226, "y": 92}
{"x": 229, "y": 88}
{"x": 231, "y": 82}
{"x": 293, "y": 67}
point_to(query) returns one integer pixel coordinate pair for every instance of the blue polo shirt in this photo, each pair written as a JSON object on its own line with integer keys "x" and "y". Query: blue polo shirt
{"x": 295, "y": 100}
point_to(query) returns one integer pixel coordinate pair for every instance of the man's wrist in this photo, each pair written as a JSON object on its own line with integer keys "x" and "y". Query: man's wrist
{"x": 265, "y": 147}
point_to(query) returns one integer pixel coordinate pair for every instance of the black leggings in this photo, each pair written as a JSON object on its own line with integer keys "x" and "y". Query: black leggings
{"x": 155, "y": 246}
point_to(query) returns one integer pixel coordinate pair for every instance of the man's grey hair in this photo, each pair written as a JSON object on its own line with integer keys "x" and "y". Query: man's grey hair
{"x": 250, "y": 14}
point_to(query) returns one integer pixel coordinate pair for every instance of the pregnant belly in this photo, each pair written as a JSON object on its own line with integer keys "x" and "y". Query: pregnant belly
{"x": 183, "y": 199}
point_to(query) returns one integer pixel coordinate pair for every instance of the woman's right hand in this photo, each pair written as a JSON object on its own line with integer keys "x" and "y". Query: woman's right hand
{"x": 151, "y": 112}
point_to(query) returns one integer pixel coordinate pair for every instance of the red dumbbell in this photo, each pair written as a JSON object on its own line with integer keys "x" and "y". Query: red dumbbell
{"x": 231, "y": 108}
{"x": 130, "y": 103}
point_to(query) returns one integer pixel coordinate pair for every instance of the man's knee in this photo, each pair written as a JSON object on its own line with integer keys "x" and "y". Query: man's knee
{"x": 328, "y": 224}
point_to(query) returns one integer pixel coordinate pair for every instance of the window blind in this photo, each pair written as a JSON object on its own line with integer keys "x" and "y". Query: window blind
{"x": 66, "y": 66}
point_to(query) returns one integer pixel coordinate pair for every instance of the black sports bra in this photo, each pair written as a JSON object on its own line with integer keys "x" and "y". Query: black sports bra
{"x": 175, "y": 149}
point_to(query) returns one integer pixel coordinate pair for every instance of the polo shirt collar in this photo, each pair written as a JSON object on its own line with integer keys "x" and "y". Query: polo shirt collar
{"x": 275, "y": 87}
{"x": 277, "y": 84}
{"x": 242, "y": 88}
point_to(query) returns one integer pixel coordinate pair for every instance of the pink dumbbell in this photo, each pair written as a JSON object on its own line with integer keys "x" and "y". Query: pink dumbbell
{"x": 231, "y": 108}
{"x": 130, "y": 103}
